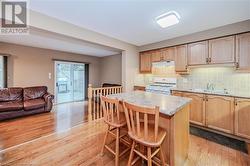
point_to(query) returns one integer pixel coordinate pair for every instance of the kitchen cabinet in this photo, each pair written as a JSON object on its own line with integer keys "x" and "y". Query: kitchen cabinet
{"x": 243, "y": 51}
{"x": 220, "y": 113}
{"x": 222, "y": 50}
{"x": 156, "y": 56}
{"x": 197, "y": 108}
{"x": 176, "y": 93}
{"x": 140, "y": 88}
{"x": 145, "y": 62}
{"x": 168, "y": 54}
{"x": 198, "y": 53}
{"x": 242, "y": 117}
{"x": 181, "y": 58}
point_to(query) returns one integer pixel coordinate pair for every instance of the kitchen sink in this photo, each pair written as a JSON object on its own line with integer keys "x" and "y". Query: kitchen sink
{"x": 210, "y": 91}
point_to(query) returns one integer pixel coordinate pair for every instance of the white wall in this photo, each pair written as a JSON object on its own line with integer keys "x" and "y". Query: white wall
{"x": 111, "y": 69}
{"x": 129, "y": 54}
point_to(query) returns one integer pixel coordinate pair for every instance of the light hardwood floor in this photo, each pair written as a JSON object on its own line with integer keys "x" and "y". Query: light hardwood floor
{"x": 61, "y": 118}
{"x": 62, "y": 138}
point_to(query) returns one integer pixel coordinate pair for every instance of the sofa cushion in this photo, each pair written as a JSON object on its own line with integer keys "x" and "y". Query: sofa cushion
{"x": 11, "y": 94}
{"x": 11, "y": 106}
{"x": 30, "y": 93}
{"x": 34, "y": 104}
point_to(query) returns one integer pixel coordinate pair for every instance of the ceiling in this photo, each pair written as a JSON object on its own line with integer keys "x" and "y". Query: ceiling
{"x": 133, "y": 21}
{"x": 47, "y": 40}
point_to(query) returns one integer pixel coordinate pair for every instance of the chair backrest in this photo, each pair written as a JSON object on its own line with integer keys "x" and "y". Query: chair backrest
{"x": 111, "y": 110}
{"x": 137, "y": 117}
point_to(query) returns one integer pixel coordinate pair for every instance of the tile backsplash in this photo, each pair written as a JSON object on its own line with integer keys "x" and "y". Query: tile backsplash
{"x": 221, "y": 77}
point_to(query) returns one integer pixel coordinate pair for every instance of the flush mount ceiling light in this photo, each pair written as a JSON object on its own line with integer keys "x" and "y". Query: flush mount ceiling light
{"x": 168, "y": 19}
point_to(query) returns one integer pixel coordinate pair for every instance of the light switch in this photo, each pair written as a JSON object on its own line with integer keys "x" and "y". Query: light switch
{"x": 50, "y": 76}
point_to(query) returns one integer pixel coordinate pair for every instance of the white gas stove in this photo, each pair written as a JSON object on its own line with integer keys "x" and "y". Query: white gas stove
{"x": 161, "y": 85}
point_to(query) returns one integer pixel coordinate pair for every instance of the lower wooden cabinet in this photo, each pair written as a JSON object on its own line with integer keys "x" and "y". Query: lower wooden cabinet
{"x": 242, "y": 117}
{"x": 220, "y": 113}
{"x": 140, "y": 88}
{"x": 227, "y": 114}
{"x": 197, "y": 110}
{"x": 175, "y": 93}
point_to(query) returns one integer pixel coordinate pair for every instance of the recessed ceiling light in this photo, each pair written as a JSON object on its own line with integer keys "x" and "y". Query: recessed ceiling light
{"x": 168, "y": 19}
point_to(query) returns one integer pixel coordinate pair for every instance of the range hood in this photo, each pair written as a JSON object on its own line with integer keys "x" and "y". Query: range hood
{"x": 163, "y": 64}
{"x": 164, "y": 69}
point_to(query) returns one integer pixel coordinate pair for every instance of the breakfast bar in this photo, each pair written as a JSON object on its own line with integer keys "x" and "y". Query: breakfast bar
{"x": 174, "y": 118}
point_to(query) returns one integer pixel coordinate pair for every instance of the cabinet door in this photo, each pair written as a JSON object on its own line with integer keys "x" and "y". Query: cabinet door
{"x": 242, "y": 117}
{"x": 197, "y": 108}
{"x": 181, "y": 58}
{"x": 139, "y": 88}
{"x": 176, "y": 93}
{"x": 222, "y": 50}
{"x": 156, "y": 56}
{"x": 198, "y": 53}
{"x": 219, "y": 113}
{"x": 243, "y": 51}
{"x": 168, "y": 54}
{"x": 145, "y": 62}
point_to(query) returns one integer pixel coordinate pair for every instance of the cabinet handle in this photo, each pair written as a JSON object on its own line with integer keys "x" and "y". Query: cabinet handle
{"x": 210, "y": 60}
{"x": 206, "y": 98}
{"x": 235, "y": 102}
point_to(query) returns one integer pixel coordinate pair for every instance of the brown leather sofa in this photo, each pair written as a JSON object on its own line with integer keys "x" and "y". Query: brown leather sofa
{"x": 16, "y": 102}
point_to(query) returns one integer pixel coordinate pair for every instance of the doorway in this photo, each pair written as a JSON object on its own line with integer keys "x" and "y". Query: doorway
{"x": 70, "y": 80}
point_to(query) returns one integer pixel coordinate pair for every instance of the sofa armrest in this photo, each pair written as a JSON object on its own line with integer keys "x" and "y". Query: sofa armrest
{"x": 48, "y": 100}
{"x": 48, "y": 97}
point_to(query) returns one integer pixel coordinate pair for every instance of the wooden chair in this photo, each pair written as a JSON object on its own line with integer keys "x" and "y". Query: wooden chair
{"x": 115, "y": 120}
{"x": 143, "y": 128}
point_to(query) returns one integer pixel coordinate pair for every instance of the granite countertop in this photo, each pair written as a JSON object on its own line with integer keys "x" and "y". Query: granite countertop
{"x": 169, "y": 105}
{"x": 220, "y": 93}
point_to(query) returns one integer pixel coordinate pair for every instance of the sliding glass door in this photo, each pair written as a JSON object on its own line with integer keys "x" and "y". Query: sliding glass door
{"x": 78, "y": 82}
{"x": 70, "y": 81}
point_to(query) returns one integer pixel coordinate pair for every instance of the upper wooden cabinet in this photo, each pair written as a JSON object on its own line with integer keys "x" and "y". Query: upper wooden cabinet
{"x": 168, "y": 53}
{"x": 181, "y": 58}
{"x": 220, "y": 113}
{"x": 156, "y": 56}
{"x": 243, "y": 51}
{"x": 222, "y": 50}
{"x": 233, "y": 49}
{"x": 242, "y": 117}
{"x": 198, "y": 53}
{"x": 163, "y": 54}
{"x": 197, "y": 108}
{"x": 145, "y": 62}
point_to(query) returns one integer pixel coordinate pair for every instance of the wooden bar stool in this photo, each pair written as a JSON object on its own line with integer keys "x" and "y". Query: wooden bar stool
{"x": 115, "y": 120}
{"x": 145, "y": 132}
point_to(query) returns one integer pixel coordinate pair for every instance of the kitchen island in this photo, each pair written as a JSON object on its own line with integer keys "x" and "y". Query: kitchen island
{"x": 174, "y": 118}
